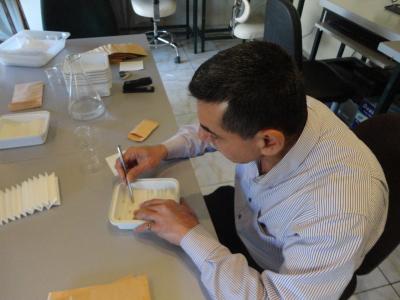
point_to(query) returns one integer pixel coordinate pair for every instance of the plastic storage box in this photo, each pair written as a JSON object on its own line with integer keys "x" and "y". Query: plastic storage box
{"x": 122, "y": 208}
{"x": 31, "y": 48}
{"x": 23, "y": 129}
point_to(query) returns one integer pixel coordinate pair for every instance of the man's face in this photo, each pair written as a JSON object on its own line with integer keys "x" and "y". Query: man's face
{"x": 231, "y": 145}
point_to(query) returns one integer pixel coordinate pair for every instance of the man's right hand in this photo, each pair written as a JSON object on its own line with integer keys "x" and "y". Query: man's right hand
{"x": 140, "y": 159}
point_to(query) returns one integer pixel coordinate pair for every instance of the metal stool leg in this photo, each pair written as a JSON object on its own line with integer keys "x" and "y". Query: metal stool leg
{"x": 173, "y": 45}
{"x": 165, "y": 38}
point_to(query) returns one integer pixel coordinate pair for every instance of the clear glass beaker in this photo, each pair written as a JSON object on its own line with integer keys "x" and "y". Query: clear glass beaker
{"x": 84, "y": 101}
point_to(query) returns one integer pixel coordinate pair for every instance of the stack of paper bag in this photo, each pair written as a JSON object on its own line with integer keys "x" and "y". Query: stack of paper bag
{"x": 121, "y": 52}
{"x": 127, "y": 288}
{"x": 34, "y": 194}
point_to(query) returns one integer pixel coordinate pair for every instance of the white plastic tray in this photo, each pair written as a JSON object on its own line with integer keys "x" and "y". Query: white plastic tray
{"x": 31, "y": 48}
{"x": 122, "y": 208}
{"x": 23, "y": 129}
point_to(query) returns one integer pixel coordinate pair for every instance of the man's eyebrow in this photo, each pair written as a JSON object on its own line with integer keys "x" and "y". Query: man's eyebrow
{"x": 207, "y": 129}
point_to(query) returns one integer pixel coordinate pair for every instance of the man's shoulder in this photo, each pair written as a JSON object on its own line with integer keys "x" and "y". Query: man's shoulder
{"x": 343, "y": 169}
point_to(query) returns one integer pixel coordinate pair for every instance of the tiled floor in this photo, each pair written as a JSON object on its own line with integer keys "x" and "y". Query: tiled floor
{"x": 213, "y": 170}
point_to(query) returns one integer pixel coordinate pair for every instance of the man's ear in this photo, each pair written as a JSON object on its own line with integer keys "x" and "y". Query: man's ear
{"x": 271, "y": 141}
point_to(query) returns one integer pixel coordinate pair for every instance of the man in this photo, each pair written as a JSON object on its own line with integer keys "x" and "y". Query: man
{"x": 310, "y": 199}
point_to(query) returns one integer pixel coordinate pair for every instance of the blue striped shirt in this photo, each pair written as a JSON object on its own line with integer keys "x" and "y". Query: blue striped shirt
{"x": 308, "y": 222}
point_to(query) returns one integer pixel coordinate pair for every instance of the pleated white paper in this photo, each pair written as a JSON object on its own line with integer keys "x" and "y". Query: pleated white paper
{"x": 34, "y": 194}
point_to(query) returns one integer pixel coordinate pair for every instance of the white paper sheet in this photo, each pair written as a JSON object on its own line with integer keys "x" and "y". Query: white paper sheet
{"x": 111, "y": 163}
{"x": 126, "y": 66}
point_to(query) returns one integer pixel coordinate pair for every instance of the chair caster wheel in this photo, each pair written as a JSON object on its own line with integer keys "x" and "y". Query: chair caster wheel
{"x": 177, "y": 59}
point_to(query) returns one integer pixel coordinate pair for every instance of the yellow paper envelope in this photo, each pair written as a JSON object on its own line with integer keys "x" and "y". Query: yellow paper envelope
{"x": 142, "y": 130}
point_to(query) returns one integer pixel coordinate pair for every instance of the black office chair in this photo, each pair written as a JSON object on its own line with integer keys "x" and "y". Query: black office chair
{"x": 380, "y": 135}
{"x": 88, "y": 18}
{"x": 332, "y": 80}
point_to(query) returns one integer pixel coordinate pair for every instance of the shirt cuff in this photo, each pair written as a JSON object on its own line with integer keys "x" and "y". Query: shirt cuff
{"x": 199, "y": 245}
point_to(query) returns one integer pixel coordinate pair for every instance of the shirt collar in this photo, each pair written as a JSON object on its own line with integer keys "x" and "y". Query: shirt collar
{"x": 297, "y": 154}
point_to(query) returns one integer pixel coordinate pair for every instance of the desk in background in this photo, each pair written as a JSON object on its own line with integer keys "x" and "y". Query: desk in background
{"x": 362, "y": 25}
{"x": 391, "y": 49}
{"x": 74, "y": 245}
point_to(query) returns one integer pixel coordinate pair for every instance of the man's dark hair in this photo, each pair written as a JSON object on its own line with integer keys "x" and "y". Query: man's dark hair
{"x": 261, "y": 84}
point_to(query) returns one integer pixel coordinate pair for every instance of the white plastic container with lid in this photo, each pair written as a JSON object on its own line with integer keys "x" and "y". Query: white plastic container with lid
{"x": 32, "y": 48}
{"x": 122, "y": 208}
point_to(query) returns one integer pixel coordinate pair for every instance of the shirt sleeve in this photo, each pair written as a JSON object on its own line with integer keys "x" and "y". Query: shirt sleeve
{"x": 186, "y": 143}
{"x": 319, "y": 261}
{"x": 225, "y": 275}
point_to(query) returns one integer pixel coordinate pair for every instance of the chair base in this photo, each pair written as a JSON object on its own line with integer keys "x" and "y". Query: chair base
{"x": 158, "y": 38}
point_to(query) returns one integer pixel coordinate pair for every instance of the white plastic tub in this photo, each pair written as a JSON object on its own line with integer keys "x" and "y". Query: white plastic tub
{"x": 122, "y": 208}
{"x": 31, "y": 48}
{"x": 24, "y": 129}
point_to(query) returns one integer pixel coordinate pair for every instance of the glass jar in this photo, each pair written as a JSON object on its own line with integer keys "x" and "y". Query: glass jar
{"x": 84, "y": 101}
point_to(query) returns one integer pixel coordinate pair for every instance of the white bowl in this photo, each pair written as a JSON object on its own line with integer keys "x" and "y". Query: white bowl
{"x": 122, "y": 208}
{"x": 32, "y": 48}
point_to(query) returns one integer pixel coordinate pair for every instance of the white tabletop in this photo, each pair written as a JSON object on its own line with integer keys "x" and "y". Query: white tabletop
{"x": 74, "y": 245}
{"x": 370, "y": 14}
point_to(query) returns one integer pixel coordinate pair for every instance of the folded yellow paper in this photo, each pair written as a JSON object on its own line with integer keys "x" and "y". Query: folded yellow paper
{"x": 142, "y": 130}
{"x": 127, "y": 288}
{"x": 27, "y": 95}
{"x": 121, "y": 52}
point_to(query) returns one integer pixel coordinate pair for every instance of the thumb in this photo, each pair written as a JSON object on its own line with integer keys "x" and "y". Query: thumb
{"x": 184, "y": 203}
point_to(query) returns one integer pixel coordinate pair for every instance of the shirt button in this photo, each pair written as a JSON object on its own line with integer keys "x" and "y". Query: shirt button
{"x": 249, "y": 199}
{"x": 239, "y": 216}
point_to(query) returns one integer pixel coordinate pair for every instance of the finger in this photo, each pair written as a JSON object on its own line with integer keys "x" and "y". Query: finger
{"x": 119, "y": 169}
{"x": 146, "y": 214}
{"x": 130, "y": 156}
{"x": 147, "y": 227}
{"x": 183, "y": 202}
{"x": 153, "y": 202}
{"x": 187, "y": 207}
{"x": 134, "y": 172}
{"x": 142, "y": 228}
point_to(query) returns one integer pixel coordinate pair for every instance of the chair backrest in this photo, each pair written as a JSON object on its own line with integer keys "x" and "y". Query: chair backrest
{"x": 381, "y": 134}
{"x": 89, "y": 18}
{"x": 240, "y": 12}
{"x": 283, "y": 27}
{"x": 247, "y": 20}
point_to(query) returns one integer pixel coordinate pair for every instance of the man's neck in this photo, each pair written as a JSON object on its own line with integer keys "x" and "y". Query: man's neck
{"x": 265, "y": 164}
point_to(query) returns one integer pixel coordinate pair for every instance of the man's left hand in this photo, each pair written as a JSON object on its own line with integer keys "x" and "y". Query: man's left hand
{"x": 167, "y": 218}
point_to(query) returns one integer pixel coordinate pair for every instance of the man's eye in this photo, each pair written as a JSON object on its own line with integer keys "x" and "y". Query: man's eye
{"x": 214, "y": 137}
